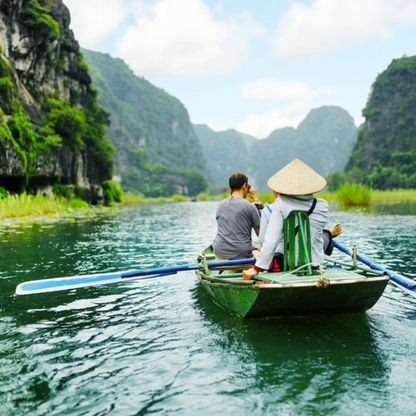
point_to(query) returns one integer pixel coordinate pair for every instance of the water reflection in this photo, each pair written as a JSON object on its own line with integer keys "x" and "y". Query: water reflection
{"x": 298, "y": 358}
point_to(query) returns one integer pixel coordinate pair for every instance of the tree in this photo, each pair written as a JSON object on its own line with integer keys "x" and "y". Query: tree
{"x": 195, "y": 181}
{"x": 335, "y": 180}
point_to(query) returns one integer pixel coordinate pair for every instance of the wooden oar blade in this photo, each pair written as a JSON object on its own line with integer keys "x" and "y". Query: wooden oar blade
{"x": 77, "y": 282}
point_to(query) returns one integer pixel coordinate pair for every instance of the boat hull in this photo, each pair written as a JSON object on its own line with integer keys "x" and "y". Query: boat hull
{"x": 348, "y": 293}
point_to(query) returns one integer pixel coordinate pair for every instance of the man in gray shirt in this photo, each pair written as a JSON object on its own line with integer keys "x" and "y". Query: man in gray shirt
{"x": 236, "y": 217}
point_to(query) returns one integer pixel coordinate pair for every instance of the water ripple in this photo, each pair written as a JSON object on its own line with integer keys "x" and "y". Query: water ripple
{"x": 163, "y": 346}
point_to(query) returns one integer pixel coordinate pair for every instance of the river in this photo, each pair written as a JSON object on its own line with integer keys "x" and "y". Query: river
{"x": 162, "y": 346}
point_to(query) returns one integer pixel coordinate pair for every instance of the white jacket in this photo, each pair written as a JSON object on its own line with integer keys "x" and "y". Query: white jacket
{"x": 264, "y": 221}
{"x": 282, "y": 207}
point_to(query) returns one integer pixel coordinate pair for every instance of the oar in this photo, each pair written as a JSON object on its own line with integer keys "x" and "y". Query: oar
{"x": 75, "y": 282}
{"x": 404, "y": 283}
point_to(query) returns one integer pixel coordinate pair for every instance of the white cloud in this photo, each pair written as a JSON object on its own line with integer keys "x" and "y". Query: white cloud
{"x": 180, "y": 37}
{"x": 93, "y": 21}
{"x": 277, "y": 89}
{"x": 295, "y": 100}
{"x": 358, "y": 120}
{"x": 261, "y": 125}
{"x": 307, "y": 31}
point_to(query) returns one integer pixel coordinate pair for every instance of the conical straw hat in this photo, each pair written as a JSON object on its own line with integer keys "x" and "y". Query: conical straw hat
{"x": 296, "y": 178}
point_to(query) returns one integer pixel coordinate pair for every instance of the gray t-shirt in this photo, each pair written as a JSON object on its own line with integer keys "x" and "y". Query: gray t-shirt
{"x": 235, "y": 219}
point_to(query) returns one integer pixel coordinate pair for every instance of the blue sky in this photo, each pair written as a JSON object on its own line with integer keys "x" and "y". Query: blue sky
{"x": 252, "y": 65}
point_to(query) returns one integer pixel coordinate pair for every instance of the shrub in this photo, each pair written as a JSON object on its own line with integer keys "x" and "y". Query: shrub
{"x": 202, "y": 196}
{"x": 335, "y": 180}
{"x": 196, "y": 181}
{"x": 354, "y": 195}
{"x": 3, "y": 193}
{"x": 38, "y": 18}
{"x": 79, "y": 191}
{"x": 179, "y": 198}
{"x": 66, "y": 121}
{"x": 112, "y": 192}
{"x": 62, "y": 191}
{"x": 267, "y": 197}
{"x": 6, "y": 94}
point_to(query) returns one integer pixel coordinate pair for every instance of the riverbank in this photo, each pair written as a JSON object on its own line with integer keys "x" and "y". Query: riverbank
{"x": 24, "y": 205}
{"x": 385, "y": 197}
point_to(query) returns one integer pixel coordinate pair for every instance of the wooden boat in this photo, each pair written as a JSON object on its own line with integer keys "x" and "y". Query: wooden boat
{"x": 337, "y": 288}
{"x": 336, "y": 291}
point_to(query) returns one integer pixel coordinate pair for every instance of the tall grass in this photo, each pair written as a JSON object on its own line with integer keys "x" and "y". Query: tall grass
{"x": 140, "y": 199}
{"x": 394, "y": 195}
{"x": 353, "y": 195}
{"x": 266, "y": 197}
{"x": 26, "y": 205}
{"x": 180, "y": 198}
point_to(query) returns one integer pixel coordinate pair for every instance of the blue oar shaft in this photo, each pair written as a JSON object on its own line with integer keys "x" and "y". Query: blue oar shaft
{"x": 185, "y": 267}
{"x": 400, "y": 280}
{"x": 75, "y": 282}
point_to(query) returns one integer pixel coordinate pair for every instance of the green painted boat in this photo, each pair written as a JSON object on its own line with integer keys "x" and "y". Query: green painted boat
{"x": 338, "y": 288}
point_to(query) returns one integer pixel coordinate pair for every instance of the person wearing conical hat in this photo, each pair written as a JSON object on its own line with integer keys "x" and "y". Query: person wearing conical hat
{"x": 295, "y": 183}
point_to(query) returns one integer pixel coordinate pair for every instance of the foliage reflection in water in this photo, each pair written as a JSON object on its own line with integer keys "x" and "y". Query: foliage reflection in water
{"x": 163, "y": 345}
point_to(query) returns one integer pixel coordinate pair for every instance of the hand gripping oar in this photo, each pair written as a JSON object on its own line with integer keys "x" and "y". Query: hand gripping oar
{"x": 75, "y": 282}
{"x": 404, "y": 283}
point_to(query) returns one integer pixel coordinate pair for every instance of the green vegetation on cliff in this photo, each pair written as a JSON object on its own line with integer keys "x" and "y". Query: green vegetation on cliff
{"x": 38, "y": 18}
{"x": 62, "y": 123}
{"x": 384, "y": 156}
{"x": 150, "y": 130}
{"x": 52, "y": 130}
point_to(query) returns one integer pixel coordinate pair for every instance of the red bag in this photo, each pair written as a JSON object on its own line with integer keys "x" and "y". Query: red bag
{"x": 274, "y": 266}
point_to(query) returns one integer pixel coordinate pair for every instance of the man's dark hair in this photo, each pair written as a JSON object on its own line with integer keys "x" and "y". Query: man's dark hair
{"x": 237, "y": 180}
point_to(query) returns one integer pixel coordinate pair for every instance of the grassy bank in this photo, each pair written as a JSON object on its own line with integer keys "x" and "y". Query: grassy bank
{"x": 396, "y": 195}
{"x": 140, "y": 199}
{"x": 32, "y": 205}
{"x": 25, "y": 205}
{"x": 393, "y": 196}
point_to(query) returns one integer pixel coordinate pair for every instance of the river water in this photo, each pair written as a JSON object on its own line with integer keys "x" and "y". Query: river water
{"x": 162, "y": 346}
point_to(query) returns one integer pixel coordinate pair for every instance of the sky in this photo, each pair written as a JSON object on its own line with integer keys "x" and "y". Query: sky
{"x": 252, "y": 65}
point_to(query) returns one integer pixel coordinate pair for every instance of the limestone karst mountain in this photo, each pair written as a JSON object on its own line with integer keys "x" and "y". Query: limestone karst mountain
{"x": 51, "y": 127}
{"x": 323, "y": 140}
{"x": 155, "y": 143}
{"x": 384, "y": 156}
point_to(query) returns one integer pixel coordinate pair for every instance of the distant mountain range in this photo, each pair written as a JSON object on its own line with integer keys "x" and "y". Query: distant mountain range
{"x": 324, "y": 141}
{"x": 155, "y": 142}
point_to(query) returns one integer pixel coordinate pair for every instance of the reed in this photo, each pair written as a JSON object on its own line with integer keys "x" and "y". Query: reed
{"x": 140, "y": 199}
{"x": 267, "y": 197}
{"x": 28, "y": 205}
{"x": 353, "y": 195}
{"x": 202, "y": 197}
{"x": 395, "y": 195}
{"x": 180, "y": 198}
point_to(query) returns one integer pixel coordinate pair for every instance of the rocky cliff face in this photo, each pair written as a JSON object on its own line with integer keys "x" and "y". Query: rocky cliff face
{"x": 150, "y": 130}
{"x": 385, "y": 155}
{"x": 50, "y": 91}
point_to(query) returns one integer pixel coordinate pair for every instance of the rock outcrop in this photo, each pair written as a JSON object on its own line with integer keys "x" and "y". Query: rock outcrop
{"x": 51, "y": 90}
{"x": 384, "y": 156}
